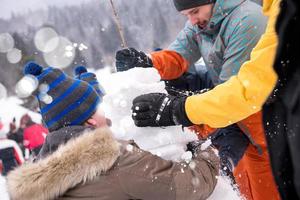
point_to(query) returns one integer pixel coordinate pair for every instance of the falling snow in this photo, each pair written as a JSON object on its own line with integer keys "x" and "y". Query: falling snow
{"x": 122, "y": 88}
{"x": 166, "y": 142}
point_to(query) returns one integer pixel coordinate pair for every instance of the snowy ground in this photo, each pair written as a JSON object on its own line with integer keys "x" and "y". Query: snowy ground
{"x": 121, "y": 89}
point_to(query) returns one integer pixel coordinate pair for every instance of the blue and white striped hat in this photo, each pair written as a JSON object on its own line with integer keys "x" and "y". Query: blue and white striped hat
{"x": 73, "y": 101}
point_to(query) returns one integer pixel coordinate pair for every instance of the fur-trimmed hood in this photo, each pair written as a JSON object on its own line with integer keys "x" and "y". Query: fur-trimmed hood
{"x": 78, "y": 161}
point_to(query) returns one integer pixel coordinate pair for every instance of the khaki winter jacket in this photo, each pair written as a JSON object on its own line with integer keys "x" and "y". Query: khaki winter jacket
{"x": 96, "y": 166}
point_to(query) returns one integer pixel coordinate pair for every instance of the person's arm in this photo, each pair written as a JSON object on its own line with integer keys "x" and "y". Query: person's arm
{"x": 171, "y": 180}
{"x": 245, "y": 93}
{"x": 172, "y": 63}
{"x": 169, "y": 64}
{"x": 97, "y": 153}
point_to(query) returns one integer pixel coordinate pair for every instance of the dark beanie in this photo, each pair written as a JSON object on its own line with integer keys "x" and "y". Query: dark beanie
{"x": 81, "y": 73}
{"x": 72, "y": 101}
{"x": 187, "y": 4}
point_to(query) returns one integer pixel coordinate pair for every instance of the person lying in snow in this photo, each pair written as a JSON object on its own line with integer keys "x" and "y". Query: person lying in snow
{"x": 82, "y": 160}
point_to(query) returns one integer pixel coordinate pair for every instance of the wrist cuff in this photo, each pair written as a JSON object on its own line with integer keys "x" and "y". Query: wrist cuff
{"x": 179, "y": 114}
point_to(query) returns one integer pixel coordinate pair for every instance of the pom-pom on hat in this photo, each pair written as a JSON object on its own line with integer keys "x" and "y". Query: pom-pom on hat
{"x": 63, "y": 101}
{"x": 82, "y": 73}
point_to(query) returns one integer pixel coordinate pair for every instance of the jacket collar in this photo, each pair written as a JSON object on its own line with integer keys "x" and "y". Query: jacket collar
{"x": 221, "y": 10}
{"x": 78, "y": 161}
{"x": 62, "y": 136}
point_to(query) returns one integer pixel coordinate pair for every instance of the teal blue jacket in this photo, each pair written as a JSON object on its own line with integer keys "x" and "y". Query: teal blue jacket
{"x": 226, "y": 43}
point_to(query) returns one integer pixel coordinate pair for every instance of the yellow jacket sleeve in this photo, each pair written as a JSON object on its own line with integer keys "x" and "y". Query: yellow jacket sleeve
{"x": 244, "y": 94}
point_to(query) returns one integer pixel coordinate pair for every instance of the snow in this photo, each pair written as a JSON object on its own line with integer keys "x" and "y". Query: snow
{"x": 167, "y": 142}
{"x": 121, "y": 88}
{"x": 3, "y": 192}
{"x": 10, "y": 108}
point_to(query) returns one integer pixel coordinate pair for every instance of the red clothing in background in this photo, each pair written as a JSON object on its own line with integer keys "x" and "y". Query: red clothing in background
{"x": 34, "y": 136}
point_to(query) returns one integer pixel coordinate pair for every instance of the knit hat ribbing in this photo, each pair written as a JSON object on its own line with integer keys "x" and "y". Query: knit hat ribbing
{"x": 187, "y": 4}
{"x": 73, "y": 101}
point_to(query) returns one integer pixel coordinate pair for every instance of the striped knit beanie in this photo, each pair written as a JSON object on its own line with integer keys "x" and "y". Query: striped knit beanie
{"x": 187, "y": 4}
{"x": 81, "y": 73}
{"x": 72, "y": 101}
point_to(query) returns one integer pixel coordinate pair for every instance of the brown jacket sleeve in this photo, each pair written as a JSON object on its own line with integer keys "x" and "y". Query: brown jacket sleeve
{"x": 151, "y": 177}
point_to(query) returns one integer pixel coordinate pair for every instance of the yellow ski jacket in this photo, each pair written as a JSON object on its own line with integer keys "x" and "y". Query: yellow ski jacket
{"x": 245, "y": 93}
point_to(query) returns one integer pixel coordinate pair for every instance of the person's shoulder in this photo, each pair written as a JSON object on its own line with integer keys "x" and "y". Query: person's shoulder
{"x": 247, "y": 16}
{"x": 248, "y": 10}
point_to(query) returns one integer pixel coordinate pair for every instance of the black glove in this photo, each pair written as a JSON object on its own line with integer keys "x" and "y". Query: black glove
{"x": 158, "y": 109}
{"x": 189, "y": 84}
{"x": 129, "y": 58}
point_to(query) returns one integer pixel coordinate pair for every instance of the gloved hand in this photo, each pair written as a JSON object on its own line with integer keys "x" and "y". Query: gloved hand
{"x": 158, "y": 109}
{"x": 189, "y": 84}
{"x": 129, "y": 58}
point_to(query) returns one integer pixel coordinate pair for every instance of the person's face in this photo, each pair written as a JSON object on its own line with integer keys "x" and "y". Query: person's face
{"x": 98, "y": 120}
{"x": 200, "y": 15}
